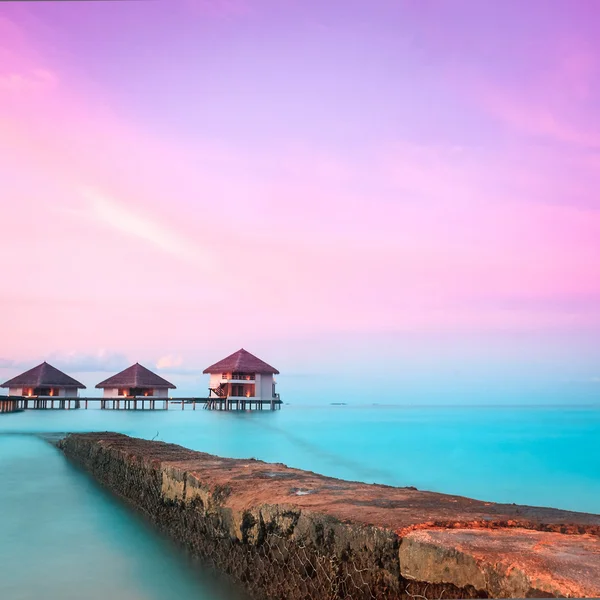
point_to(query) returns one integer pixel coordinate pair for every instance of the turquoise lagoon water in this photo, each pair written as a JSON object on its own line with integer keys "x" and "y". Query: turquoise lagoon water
{"x": 61, "y": 534}
{"x": 63, "y": 537}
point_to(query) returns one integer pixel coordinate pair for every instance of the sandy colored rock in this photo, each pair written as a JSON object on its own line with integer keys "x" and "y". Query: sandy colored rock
{"x": 287, "y": 533}
{"x": 507, "y": 563}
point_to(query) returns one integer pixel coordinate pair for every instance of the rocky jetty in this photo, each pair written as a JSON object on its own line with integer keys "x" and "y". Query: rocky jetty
{"x": 286, "y": 533}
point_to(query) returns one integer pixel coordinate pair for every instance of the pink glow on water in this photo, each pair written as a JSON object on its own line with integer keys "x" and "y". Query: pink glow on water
{"x": 234, "y": 173}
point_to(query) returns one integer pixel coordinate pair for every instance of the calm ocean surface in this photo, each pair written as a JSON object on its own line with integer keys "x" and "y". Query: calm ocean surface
{"x": 61, "y": 534}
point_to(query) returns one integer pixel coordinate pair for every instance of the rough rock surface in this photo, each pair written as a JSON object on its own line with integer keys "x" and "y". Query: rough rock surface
{"x": 286, "y": 533}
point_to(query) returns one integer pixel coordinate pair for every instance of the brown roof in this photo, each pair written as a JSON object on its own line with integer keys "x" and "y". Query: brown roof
{"x": 136, "y": 376}
{"x": 43, "y": 375}
{"x": 241, "y": 362}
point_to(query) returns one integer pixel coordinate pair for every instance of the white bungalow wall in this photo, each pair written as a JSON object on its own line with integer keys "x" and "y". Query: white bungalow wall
{"x": 263, "y": 385}
{"x": 156, "y": 393}
{"x": 215, "y": 382}
{"x": 62, "y": 392}
{"x": 266, "y": 387}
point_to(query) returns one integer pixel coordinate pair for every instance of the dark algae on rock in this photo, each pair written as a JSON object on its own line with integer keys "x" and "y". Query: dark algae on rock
{"x": 283, "y": 533}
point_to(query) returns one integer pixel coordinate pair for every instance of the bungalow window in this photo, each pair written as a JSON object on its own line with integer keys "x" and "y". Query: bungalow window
{"x": 45, "y": 391}
{"x": 242, "y": 390}
{"x": 141, "y": 392}
{"x": 241, "y": 376}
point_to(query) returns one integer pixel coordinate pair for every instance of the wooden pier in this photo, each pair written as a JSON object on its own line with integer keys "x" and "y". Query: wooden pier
{"x": 16, "y": 403}
{"x": 241, "y": 404}
{"x": 239, "y": 382}
{"x": 8, "y": 406}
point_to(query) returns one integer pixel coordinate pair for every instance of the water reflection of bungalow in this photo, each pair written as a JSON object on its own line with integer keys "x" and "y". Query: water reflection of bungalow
{"x": 242, "y": 376}
{"x": 136, "y": 381}
{"x": 43, "y": 381}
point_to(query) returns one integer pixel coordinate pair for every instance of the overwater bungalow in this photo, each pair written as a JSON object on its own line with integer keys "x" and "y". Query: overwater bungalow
{"x": 242, "y": 377}
{"x": 43, "y": 381}
{"x": 136, "y": 381}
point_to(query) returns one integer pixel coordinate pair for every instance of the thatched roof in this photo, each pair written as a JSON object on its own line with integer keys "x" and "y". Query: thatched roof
{"x": 136, "y": 376}
{"x": 43, "y": 375}
{"x": 241, "y": 362}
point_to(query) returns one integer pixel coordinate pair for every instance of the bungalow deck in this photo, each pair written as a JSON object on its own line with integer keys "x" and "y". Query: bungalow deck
{"x": 16, "y": 403}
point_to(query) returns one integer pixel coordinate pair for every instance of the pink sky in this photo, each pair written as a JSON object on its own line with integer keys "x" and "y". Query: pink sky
{"x": 303, "y": 179}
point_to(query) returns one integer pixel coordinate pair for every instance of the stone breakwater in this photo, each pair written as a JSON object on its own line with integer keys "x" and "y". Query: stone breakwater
{"x": 286, "y": 533}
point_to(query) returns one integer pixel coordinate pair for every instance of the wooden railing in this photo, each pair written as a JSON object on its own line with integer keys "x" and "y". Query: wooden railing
{"x": 16, "y": 403}
{"x": 239, "y": 376}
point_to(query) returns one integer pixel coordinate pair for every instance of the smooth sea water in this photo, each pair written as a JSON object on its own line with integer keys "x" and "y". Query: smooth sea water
{"x": 63, "y": 537}
{"x": 61, "y": 534}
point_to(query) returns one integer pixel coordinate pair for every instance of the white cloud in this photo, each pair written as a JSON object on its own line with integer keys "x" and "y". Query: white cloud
{"x": 168, "y": 362}
{"x": 114, "y": 214}
{"x": 73, "y": 362}
{"x": 219, "y": 8}
{"x": 172, "y": 365}
{"x": 34, "y": 80}
{"x": 101, "y": 360}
